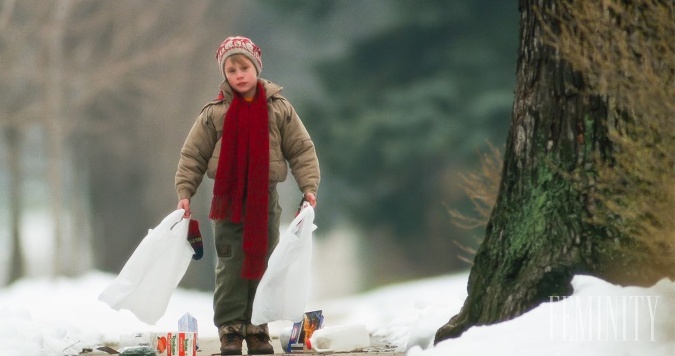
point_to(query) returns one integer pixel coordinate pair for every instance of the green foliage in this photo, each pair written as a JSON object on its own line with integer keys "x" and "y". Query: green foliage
{"x": 314, "y": 9}
{"x": 412, "y": 105}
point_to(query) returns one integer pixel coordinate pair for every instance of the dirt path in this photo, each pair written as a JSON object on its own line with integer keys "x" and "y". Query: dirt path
{"x": 211, "y": 346}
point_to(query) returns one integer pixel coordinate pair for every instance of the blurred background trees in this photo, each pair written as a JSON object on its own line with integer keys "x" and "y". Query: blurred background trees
{"x": 400, "y": 97}
{"x": 411, "y": 106}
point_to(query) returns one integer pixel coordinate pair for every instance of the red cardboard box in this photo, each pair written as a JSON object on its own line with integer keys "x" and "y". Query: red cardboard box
{"x": 188, "y": 323}
{"x": 165, "y": 343}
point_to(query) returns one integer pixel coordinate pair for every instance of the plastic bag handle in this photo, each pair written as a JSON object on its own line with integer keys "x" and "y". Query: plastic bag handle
{"x": 176, "y": 223}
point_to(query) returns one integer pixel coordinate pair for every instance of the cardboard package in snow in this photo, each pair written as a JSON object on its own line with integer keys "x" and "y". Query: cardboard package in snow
{"x": 189, "y": 323}
{"x": 303, "y": 330}
{"x": 164, "y": 343}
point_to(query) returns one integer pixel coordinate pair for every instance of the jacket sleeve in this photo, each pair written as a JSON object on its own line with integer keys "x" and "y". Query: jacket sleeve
{"x": 298, "y": 149}
{"x": 195, "y": 155}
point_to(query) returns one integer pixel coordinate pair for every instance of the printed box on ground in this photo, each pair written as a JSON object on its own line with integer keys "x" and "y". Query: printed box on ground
{"x": 164, "y": 343}
{"x": 302, "y": 331}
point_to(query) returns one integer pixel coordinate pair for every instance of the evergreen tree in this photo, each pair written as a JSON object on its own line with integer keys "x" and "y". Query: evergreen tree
{"x": 411, "y": 106}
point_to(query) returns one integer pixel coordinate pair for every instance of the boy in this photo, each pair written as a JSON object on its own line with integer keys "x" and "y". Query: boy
{"x": 243, "y": 140}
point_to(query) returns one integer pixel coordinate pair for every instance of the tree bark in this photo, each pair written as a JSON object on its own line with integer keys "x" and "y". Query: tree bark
{"x": 17, "y": 263}
{"x": 539, "y": 235}
{"x": 56, "y": 136}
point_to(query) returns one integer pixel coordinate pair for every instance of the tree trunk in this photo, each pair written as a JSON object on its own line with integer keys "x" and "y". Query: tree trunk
{"x": 16, "y": 265}
{"x": 539, "y": 235}
{"x": 56, "y": 137}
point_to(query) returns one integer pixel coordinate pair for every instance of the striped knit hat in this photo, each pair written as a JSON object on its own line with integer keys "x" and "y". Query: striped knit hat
{"x": 242, "y": 45}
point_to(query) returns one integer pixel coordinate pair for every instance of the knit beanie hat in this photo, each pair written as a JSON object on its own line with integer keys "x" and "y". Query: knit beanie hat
{"x": 242, "y": 45}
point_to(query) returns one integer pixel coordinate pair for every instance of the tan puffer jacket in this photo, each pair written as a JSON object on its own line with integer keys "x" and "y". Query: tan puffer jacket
{"x": 289, "y": 142}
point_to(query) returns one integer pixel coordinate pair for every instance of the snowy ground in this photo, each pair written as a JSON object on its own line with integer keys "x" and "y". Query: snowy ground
{"x": 60, "y": 317}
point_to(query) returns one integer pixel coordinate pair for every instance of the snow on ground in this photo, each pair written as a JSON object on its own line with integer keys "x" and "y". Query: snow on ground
{"x": 61, "y": 316}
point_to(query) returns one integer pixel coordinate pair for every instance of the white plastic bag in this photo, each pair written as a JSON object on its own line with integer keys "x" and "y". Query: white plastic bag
{"x": 152, "y": 273}
{"x": 284, "y": 288}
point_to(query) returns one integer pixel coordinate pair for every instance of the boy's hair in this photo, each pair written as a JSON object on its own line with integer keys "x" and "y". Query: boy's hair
{"x": 239, "y": 58}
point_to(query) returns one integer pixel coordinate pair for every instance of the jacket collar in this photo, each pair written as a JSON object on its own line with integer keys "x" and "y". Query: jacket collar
{"x": 270, "y": 89}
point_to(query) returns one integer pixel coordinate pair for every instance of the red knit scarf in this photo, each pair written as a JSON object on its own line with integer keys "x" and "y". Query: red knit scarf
{"x": 242, "y": 177}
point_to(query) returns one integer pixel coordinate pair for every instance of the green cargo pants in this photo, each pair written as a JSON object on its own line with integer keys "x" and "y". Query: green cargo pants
{"x": 233, "y": 296}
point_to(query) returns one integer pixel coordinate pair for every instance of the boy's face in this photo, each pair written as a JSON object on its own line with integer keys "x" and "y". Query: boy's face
{"x": 241, "y": 75}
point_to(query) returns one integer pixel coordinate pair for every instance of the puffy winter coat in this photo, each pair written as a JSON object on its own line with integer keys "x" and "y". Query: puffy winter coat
{"x": 289, "y": 142}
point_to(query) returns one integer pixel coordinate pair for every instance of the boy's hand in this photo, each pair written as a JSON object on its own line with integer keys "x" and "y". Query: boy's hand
{"x": 185, "y": 204}
{"x": 311, "y": 199}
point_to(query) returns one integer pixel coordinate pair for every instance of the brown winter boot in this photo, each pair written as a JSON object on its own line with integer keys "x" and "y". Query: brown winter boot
{"x": 258, "y": 340}
{"x": 231, "y": 338}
